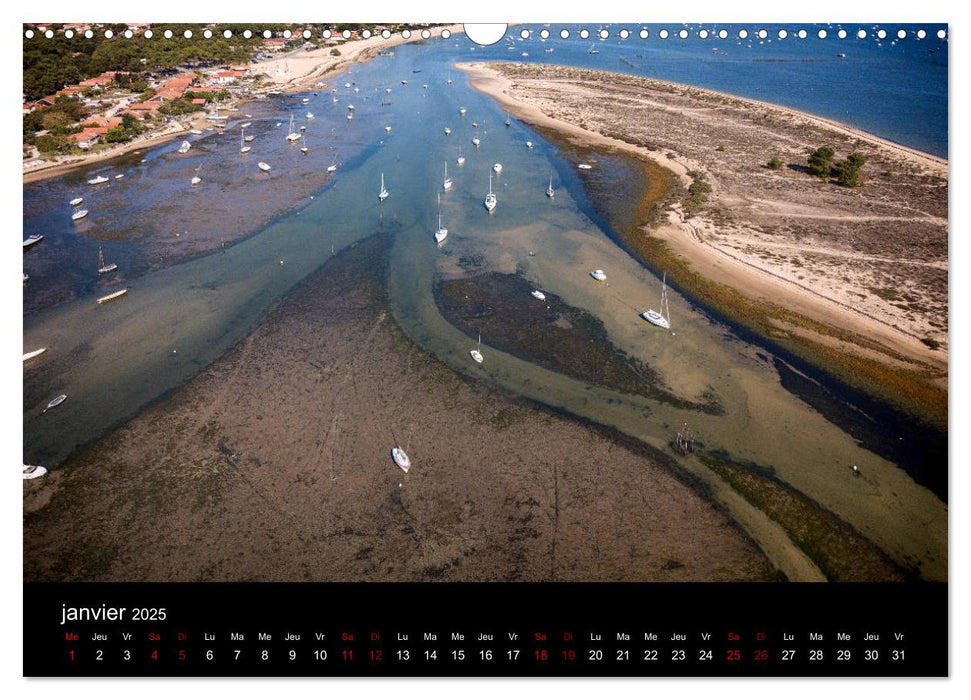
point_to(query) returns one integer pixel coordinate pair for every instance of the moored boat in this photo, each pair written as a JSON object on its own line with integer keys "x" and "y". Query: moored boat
{"x": 34, "y": 353}
{"x": 400, "y": 458}
{"x": 32, "y": 239}
{"x": 79, "y": 214}
{"x": 113, "y": 295}
{"x": 32, "y": 471}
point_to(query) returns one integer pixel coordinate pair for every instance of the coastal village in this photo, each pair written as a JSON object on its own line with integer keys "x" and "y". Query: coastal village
{"x": 116, "y": 110}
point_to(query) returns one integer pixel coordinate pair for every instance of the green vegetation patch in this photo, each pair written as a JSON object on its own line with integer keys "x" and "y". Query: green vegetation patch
{"x": 552, "y": 334}
{"x": 838, "y": 550}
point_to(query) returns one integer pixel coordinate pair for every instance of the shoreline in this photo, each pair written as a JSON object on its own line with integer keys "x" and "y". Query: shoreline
{"x": 689, "y": 240}
{"x": 323, "y": 66}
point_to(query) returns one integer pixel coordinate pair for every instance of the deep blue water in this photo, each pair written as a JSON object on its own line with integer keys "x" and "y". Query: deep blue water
{"x": 893, "y": 88}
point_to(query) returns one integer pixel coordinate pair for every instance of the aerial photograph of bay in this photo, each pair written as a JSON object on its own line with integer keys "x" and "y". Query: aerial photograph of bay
{"x": 588, "y": 303}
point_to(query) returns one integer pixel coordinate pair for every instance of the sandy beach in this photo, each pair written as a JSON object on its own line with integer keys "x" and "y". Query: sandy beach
{"x": 300, "y": 70}
{"x": 274, "y": 464}
{"x": 870, "y": 261}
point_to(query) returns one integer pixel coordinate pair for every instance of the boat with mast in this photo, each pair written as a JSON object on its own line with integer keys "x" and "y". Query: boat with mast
{"x": 447, "y": 182}
{"x": 102, "y": 267}
{"x": 441, "y": 233}
{"x": 303, "y": 148}
{"x": 195, "y": 178}
{"x": 661, "y": 318}
{"x": 550, "y": 192}
{"x": 243, "y": 148}
{"x": 292, "y": 136}
{"x": 490, "y": 200}
{"x": 477, "y": 353}
{"x": 383, "y": 194}
{"x": 461, "y": 159}
{"x": 333, "y": 166}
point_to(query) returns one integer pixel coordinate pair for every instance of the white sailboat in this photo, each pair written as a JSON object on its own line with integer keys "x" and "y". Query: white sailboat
{"x": 243, "y": 148}
{"x": 441, "y": 233}
{"x": 550, "y": 192}
{"x": 333, "y": 166}
{"x": 383, "y": 194}
{"x": 507, "y": 119}
{"x": 102, "y": 268}
{"x": 490, "y": 200}
{"x": 461, "y": 159}
{"x": 660, "y": 318}
{"x": 195, "y": 178}
{"x": 477, "y": 353}
{"x": 303, "y": 148}
{"x": 447, "y": 182}
{"x": 292, "y": 136}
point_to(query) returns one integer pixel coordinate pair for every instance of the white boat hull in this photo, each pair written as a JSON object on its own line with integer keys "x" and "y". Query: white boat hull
{"x": 657, "y": 319}
{"x": 401, "y": 459}
{"x": 110, "y": 297}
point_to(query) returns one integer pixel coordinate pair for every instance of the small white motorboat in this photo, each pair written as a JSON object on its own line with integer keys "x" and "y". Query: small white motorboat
{"x": 98, "y": 180}
{"x": 263, "y": 166}
{"x": 462, "y": 112}
{"x": 119, "y": 177}
{"x": 32, "y": 239}
{"x": 529, "y": 144}
{"x": 387, "y": 129}
{"x": 195, "y": 131}
{"x": 195, "y": 180}
{"x": 32, "y": 471}
{"x": 497, "y": 168}
{"x": 448, "y": 132}
{"x": 599, "y": 275}
{"x": 475, "y": 141}
{"x": 34, "y": 353}
{"x": 584, "y": 166}
{"x": 112, "y": 296}
{"x": 55, "y": 402}
{"x": 77, "y": 201}
{"x": 400, "y": 458}
{"x": 538, "y": 294}
{"x": 475, "y": 125}
{"x": 310, "y": 116}
{"x": 246, "y": 125}
{"x": 79, "y": 214}
{"x": 184, "y": 148}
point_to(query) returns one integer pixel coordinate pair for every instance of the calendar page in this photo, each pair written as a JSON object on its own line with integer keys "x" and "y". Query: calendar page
{"x": 457, "y": 349}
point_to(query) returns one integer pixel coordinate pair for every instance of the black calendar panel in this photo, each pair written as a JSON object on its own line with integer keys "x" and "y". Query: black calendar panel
{"x": 485, "y": 630}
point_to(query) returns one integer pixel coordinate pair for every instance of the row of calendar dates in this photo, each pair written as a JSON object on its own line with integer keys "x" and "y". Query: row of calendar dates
{"x": 245, "y": 654}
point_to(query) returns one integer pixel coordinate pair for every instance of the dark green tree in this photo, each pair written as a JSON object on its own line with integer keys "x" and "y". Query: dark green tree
{"x": 821, "y": 161}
